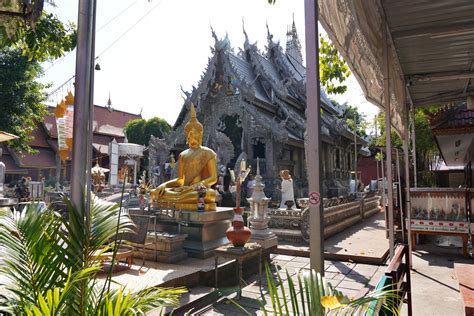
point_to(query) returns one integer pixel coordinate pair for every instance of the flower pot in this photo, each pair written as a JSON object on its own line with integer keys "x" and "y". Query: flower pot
{"x": 238, "y": 234}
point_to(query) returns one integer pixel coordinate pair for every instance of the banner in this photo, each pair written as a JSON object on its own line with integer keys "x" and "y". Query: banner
{"x": 64, "y": 122}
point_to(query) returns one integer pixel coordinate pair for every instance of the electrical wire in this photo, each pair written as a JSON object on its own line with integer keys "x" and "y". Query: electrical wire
{"x": 112, "y": 44}
{"x": 102, "y": 27}
{"x": 128, "y": 30}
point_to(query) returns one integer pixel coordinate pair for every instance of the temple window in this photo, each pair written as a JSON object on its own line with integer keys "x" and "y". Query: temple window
{"x": 258, "y": 149}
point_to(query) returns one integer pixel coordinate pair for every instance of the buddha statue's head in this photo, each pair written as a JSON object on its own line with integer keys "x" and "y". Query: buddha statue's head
{"x": 193, "y": 130}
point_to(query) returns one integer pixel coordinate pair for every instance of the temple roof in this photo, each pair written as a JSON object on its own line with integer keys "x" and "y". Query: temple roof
{"x": 272, "y": 83}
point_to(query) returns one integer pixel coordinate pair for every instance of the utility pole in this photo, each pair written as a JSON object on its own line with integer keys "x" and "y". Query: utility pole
{"x": 83, "y": 104}
{"x": 313, "y": 139}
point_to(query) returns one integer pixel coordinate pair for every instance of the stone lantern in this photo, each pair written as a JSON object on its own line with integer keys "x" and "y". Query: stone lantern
{"x": 259, "y": 218}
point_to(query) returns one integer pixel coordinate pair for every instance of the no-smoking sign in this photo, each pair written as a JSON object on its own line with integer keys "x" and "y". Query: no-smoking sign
{"x": 314, "y": 198}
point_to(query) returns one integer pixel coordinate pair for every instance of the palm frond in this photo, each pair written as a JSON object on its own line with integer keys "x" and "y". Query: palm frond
{"x": 319, "y": 297}
{"x": 32, "y": 249}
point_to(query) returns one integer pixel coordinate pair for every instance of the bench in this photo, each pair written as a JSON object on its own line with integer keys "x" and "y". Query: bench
{"x": 464, "y": 274}
{"x": 396, "y": 277}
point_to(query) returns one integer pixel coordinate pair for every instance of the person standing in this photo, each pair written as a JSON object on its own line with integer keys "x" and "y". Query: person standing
{"x": 287, "y": 191}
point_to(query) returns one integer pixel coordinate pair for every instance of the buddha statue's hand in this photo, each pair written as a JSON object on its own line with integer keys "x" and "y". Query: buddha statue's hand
{"x": 160, "y": 190}
{"x": 199, "y": 187}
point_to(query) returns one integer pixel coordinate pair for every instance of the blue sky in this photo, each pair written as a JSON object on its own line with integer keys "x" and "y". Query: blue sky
{"x": 148, "y": 49}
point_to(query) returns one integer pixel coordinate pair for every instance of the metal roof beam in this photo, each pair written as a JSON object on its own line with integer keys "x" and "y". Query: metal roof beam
{"x": 445, "y": 97}
{"x": 434, "y": 32}
{"x": 440, "y": 76}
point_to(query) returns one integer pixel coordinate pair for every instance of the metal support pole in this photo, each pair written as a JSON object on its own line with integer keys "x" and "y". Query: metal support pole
{"x": 413, "y": 140}
{"x": 376, "y": 161}
{"x": 400, "y": 202}
{"x": 313, "y": 139}
{"x": 388, "y": 138}
{"x": 355, "y": 155}
{"x": 80, "y": 178}
{"x": 384, "y": 199}
{"x": 406, "y": 140}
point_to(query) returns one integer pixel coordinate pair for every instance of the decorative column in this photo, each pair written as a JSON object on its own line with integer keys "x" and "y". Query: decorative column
{"x": 259, "y": 215}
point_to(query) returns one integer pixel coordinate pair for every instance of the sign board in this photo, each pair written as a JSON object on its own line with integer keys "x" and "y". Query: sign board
{"x": 314, "y": 198}
{"x": 439, "y": 226}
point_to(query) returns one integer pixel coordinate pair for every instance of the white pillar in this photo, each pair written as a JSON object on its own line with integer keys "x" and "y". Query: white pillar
{"x": 388, "y": 139}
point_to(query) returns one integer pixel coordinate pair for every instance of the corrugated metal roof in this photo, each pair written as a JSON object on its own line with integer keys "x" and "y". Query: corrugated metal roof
{"x": 433, "y": 39}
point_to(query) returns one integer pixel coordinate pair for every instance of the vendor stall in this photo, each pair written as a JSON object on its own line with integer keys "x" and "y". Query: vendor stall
{"x": 436, "y": 211}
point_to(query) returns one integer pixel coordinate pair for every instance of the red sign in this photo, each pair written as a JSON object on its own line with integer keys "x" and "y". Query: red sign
{"x": 314, "y": 198}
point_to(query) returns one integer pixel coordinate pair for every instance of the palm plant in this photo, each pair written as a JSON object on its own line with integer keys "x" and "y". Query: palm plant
{"x": 50, "y": 263}
{"x": 313, "y": 295}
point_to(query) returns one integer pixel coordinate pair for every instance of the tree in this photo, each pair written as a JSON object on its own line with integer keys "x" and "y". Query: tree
{"x": 350, "y": 112}
{"x": 157, "y": 127}
{"x": 426, "y": 150}
{"x": 38, "y": 34}
{"x": 139, "y": 131}
{"x": 21, "y": 97}
{"x": 26, "y": 39}
{"x": 333, "y": 70}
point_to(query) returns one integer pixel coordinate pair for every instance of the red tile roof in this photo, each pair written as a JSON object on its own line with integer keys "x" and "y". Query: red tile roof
{"x": 10, "y": 165}
{"x": 45, "y": 158}
{"x": 106, "y": 122}
{"x": 453, "y": 120}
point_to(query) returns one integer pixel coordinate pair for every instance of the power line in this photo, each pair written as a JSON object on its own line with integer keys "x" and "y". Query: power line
{"x": 102, "y": 27}
{"x": 113, "y": 43}
{"x": 119, "y": 14}
{"x": 128, "y": 30}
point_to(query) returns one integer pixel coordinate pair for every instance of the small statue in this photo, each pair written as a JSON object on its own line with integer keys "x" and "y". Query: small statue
{"x": 287, "y": 193}
{"x": 197, "y": 172}
{"x": 22, "y": 189}
{"x": 98, "y": 178}
{"x": 142, "y": 189}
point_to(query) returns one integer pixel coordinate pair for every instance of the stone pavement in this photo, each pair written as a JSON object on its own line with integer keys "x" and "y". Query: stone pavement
{"x": 435, "y": 289}
{"x": 349, "y": 278}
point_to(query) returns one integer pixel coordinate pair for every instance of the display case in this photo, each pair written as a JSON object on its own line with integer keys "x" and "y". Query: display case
{"x": 443, "y": 210}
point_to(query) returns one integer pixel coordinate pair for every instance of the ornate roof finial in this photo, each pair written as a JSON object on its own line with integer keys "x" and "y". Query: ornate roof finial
{"x": 109, "y": 102}
{"x": 293, "y": 45}
{"x": 214, "y": 35}
{"x": 269, "y": 35}
{"x": 246, "y": 43}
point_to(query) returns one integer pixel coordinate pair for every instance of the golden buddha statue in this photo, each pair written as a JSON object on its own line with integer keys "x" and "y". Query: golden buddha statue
{"x": 197, "y": 172}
